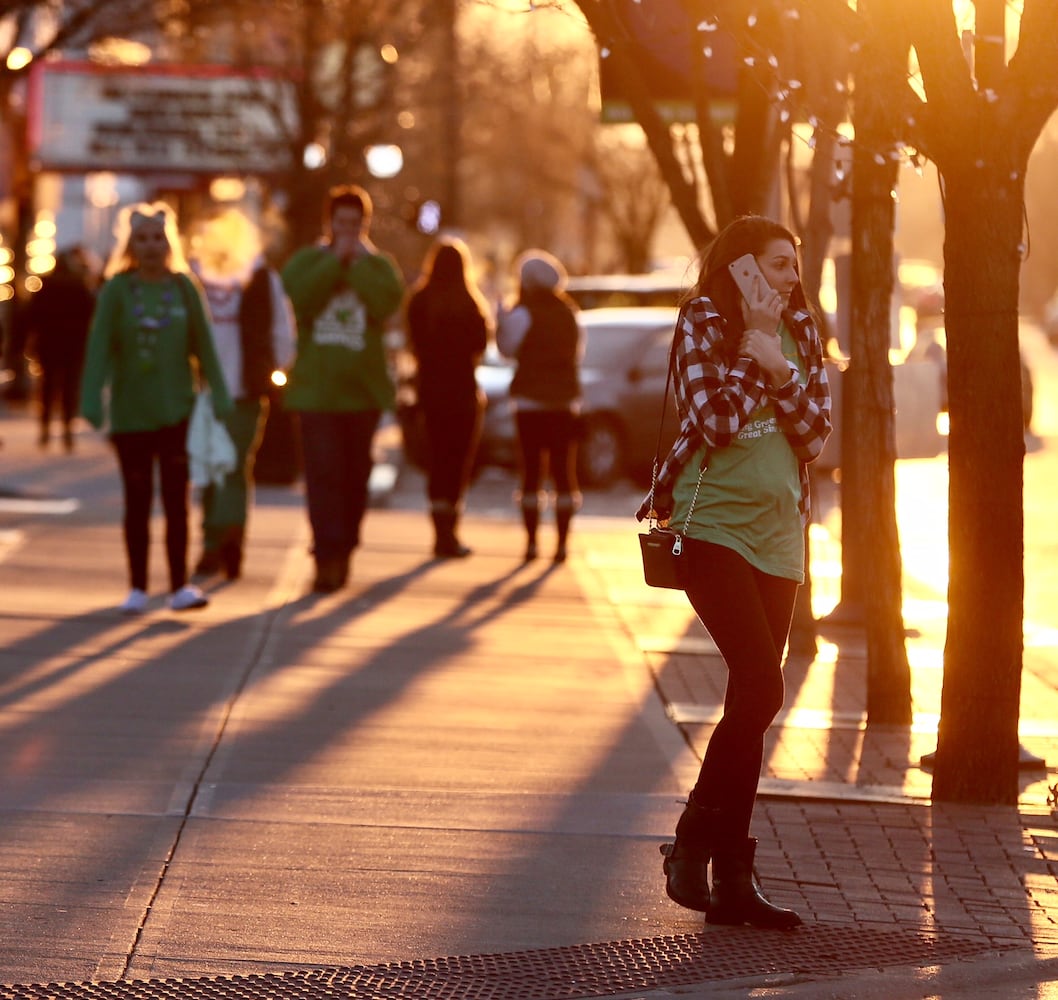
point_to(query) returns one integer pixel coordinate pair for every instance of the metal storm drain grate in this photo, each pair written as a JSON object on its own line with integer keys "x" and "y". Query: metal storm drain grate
{"x": 590, "y": 970}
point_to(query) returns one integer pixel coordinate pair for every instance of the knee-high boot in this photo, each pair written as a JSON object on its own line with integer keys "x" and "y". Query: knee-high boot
{"x": 736, "y": 897}
{"x": 531, "y": 519}
{"x": 566, "y": 504}
{"x": 446, "y": 543}
{"x": 686, "y": 863}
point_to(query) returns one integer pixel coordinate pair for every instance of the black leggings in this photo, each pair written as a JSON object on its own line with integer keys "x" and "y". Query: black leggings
{"x": 59, "y": 383}
{"x": 452, "y": 432}
{"x": 747, "y": 613}
{"x": 137, "y": 452}
{"x": 547, "y": 436}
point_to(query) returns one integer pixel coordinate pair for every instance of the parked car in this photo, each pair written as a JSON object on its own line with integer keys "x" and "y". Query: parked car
{"x": 626, "y": 354}
{"x": 654, "y": 288}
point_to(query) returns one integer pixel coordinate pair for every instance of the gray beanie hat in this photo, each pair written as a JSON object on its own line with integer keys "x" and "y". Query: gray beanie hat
{"x": 539, "y": 269}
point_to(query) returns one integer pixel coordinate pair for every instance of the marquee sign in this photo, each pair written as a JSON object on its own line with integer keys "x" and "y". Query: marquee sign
{"x": 190, "y": 119}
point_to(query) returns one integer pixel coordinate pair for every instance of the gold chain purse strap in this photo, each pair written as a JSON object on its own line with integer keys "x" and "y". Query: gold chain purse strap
{"x": 652, "y": 521}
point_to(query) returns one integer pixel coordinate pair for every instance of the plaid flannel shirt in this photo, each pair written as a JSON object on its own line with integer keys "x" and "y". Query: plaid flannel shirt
{"x": 714, "y": 401}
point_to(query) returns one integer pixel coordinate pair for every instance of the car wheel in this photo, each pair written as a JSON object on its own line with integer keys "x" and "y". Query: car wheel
{"x": 600, "y": 456}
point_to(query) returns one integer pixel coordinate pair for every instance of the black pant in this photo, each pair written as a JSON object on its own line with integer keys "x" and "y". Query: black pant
{"x": 59, "y": 383}
{"x": 547, "y": 440}
{"x": 137, "y": 452}
{"x": 336, "y": 447}
{"x": 451, "y": 437}
{"x": 747, "y": 613}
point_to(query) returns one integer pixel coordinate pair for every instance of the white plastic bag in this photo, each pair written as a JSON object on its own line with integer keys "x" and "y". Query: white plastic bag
{"x": 210, "y": 449}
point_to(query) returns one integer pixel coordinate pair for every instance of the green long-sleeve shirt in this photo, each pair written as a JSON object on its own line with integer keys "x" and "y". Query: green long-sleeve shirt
{"x": 146, "y": 341}
{"x": 341, "y": 313}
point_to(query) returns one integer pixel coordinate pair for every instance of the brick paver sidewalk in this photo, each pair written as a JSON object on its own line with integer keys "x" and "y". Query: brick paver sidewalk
{"x": 844, "y": 817}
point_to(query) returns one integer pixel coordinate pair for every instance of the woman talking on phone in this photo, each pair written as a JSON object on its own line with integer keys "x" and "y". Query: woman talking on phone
{"x": 754, "y": 409}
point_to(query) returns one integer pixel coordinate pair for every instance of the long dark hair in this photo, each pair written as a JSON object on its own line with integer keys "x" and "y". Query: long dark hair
{"x": 746, "y": 234}
{"x": 447, "y": 277}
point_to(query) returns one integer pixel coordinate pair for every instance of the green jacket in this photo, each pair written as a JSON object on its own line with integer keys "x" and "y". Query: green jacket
{"x": 341, "y": 315}
{"x": 152, "y": 379}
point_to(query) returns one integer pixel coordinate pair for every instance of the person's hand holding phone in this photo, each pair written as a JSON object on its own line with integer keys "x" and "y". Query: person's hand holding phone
{"x": 762, "y": 308}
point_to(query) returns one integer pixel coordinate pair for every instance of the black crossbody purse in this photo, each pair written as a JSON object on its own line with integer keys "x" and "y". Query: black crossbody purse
{"x": 664, "y": 564}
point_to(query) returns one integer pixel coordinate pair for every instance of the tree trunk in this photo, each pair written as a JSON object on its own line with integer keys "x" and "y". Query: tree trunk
{"x": 870, "y": 540}
{"x": 754, "y": 163}
{"x": 816, "y": 233}
{"x": 980, "y": 132}
{"x": 868, "y": 487}
{"x": 977, "y": 750}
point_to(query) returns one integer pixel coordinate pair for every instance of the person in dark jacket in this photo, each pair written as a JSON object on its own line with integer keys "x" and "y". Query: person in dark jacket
{"x": 542, "y": 334}
{"x": 57, "y": 320}
{"x": 448, "y": 322}
{"x": 253, "y": 329}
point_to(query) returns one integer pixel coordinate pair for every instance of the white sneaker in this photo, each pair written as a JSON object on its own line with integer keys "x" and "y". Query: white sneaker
{"x": 187, "y": 598}
{"x": 135, "y": 603}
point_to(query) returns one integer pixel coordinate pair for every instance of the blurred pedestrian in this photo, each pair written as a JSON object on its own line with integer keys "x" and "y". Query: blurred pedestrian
{"x": 57, "y": 320}
{"x": 149, "y": 342}
{"x": 253, "y": 330}
{"x": 542, "y": 334}
{"x": 754, "y": 409}
{"x": 343, "y": 290}
{"x": 448, "y": 322}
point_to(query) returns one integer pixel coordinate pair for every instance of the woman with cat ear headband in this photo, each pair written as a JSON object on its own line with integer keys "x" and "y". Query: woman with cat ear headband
{"x": 149, "y": 344}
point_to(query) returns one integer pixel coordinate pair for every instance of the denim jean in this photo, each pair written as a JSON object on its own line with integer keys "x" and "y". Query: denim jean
{"x": 336, "y": 448}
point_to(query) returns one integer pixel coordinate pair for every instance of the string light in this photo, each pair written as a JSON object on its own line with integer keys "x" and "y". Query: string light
{"x": 782, "y": 92}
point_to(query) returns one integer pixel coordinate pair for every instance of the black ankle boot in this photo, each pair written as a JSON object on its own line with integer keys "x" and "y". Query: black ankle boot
{"x": 736, "y": 898}
{"x": 565, "y": 505}
{"x": 331, "y": 575}
{"x": 531, "y": 520}
{"x": 686, "y": 863}
{"x": 446, "y": 542}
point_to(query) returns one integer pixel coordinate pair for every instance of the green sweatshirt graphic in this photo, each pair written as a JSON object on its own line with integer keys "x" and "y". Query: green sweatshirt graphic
{"x": 341, "y": 314}
{"x": 148, "y": 344}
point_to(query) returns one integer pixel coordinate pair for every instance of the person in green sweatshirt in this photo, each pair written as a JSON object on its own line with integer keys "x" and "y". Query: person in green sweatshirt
{"x": 343, "y": 290}
{"x": 149, "y": 343}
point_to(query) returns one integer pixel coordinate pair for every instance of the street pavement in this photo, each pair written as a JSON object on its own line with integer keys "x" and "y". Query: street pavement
{"x": 451, "y": 778}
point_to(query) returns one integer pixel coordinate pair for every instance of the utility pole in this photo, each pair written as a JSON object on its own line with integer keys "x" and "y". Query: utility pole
{"x": 452, "y": 118}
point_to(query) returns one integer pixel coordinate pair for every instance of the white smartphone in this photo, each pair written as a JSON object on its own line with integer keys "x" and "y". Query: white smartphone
{"x": 744, "y": 269}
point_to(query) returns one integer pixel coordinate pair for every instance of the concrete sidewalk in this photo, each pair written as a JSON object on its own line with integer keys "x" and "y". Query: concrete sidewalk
{"x": 291, "y": 796}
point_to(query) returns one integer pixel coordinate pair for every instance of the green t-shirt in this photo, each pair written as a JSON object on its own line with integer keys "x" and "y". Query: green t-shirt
{"x": 748, "y": 499}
